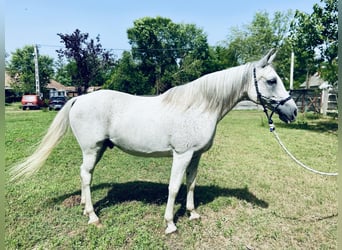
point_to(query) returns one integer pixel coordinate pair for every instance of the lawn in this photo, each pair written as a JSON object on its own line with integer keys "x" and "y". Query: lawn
{"x": 249, "y": 193}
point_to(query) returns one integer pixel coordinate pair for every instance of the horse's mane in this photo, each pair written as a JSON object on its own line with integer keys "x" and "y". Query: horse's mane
{"x": 213, "y": 91}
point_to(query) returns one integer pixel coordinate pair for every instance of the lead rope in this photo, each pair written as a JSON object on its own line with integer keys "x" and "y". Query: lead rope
{"x": 295, "y": 159}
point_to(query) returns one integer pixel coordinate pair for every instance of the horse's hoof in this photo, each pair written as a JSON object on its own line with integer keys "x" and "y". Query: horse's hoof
{"x": 194, "y": 216}
{"x": 99, "y": 224}
{"x": 170, "y": 229}
{"x": 96, "y": 223}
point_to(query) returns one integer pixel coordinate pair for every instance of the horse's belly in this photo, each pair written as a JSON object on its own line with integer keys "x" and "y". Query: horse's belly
{"x": 146, "y": 153}
{"x": 143, "y": 142}
{"x": 140, "y": 149}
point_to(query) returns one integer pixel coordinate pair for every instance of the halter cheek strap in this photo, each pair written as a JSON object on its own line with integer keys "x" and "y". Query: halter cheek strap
{"x": 265, "y": 100}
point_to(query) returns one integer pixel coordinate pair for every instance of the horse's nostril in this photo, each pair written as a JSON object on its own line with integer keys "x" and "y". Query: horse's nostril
{"x": 295, "y": 112}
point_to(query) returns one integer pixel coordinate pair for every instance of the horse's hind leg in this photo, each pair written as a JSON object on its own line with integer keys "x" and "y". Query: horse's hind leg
{"x": 191, "y": 174}
{"x": 90, "y": 158}
{"x": 98, "y": 153}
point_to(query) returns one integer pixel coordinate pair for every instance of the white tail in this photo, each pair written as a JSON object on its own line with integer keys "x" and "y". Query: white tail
{"x": 55, "y": 133}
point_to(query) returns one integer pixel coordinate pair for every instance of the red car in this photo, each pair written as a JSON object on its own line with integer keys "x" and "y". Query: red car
{"x": 31, "y": 102}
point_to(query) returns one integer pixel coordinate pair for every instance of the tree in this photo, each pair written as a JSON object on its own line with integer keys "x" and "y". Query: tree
{"x": 126, "y": 77}
{"x": 317, "y": 32}
{"x": 253, "y": 40}
{"x": 64, "y": 71}
{"x": 167, "y": 53}
{"x": 93, "y": 63}
{"x": 22, "y": 70}
{"x": 194, "y": 60}
{"x": 221, "y": 57}
{"x": 250, "y": 42}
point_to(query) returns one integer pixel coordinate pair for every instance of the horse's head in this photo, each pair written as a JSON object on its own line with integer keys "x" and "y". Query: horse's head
{"x": 267, "y": 88}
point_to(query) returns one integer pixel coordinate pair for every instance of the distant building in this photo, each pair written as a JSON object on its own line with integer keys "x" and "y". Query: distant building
{"x": 316, "y": 95}
{"x": 10, "y": 94}
{"x": 8, "y": 81}
{"x": 54, "y": 89}
{"x": 314, "y": 82}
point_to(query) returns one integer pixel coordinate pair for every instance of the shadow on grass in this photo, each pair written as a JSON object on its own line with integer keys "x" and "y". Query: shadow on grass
{"x": 312, "y": 123}
{"x": 156, "y": 193}
{"x": 316, "y": 126}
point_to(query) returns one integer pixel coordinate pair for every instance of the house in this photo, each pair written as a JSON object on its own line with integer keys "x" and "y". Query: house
{"x": 57, "y": 89}
{"x": 53, "y": 88}
{"x": 10, "y": 93}
{"x": 93, "y": 88}
{"x": 8, "y": 81}
{"x": 314, "y": 82}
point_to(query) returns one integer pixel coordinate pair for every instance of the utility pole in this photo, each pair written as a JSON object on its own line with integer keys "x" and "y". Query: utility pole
{"x": 36, "y": 70}
{"x": 291, "y": 70}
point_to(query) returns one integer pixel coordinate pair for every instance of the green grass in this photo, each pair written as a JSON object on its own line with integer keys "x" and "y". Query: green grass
{"x": 249, "y": 193}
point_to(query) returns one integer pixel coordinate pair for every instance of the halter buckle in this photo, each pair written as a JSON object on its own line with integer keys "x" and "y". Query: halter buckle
{"x": 272, "y": 127}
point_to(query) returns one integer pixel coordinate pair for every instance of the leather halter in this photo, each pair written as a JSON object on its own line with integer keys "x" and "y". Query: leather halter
{"x": 265, "y": 101}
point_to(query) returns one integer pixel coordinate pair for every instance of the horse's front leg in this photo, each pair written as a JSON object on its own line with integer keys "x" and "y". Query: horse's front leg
{"x": 191, "y": 174}
{"x": 179, "y": 165}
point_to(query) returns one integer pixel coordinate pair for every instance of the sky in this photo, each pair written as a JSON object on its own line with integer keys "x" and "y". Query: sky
{"x": 29, "y": 22}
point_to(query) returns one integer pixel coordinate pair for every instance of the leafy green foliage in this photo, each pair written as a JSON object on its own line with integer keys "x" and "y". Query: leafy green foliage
{"x": 22, "y": 70}
{"x": 317, "y": 31}
{"x": 127, "y": 77}
{"x": 166, "y": 53}
{"x": 251, "y": 41}
{"x": 93, "y": 63}
{"x": 65, "y": 71}
{"x": 255, "y": 39}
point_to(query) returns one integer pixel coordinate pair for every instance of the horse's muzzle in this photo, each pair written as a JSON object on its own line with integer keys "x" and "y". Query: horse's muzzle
{"x": 287, "y": 112}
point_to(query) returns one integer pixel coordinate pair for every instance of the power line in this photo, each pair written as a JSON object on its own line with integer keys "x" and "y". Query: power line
{"x": 121, "y": 49}
{"x": 60, "y": 46}
{"x": 50, "y": 46}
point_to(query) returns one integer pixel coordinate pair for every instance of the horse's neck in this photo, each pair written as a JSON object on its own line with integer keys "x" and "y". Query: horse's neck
{"x": 234, "y": 87}
{"x": 216, "y": 93}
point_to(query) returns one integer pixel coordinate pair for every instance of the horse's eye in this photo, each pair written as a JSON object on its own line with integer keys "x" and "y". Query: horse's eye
{"x": 272, "y": 81}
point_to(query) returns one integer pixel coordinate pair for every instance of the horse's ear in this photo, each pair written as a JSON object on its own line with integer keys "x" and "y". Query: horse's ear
{"x": 266, "y": 60}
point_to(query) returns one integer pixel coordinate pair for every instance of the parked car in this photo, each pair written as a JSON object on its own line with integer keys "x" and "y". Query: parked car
{"x": 31, "y": 102}
{"x": 57, "y": 102}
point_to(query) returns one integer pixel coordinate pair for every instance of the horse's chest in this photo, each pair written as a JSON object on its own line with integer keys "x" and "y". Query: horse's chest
{"x": 196, "y": 134}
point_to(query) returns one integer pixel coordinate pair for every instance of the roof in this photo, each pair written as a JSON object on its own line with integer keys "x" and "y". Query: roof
{"x": 70, "y": 89}
{"x": 314, "y": 81}
{"x": 93, "y": 88}
{"x": 55, "y": 85}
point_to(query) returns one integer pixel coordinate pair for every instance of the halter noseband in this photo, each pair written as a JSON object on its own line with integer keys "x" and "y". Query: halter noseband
{"x": 271, "y": 102}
